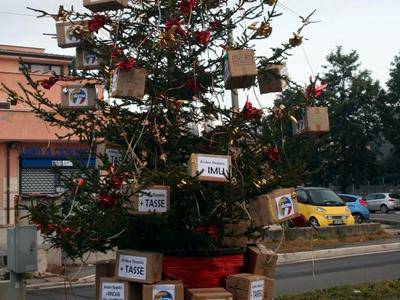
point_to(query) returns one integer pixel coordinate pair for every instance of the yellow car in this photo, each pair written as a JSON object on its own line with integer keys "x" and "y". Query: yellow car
{"x": 322, "y": 207}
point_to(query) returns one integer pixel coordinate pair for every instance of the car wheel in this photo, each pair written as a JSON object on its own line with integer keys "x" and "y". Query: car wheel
{"x": 358, "y": 218}
{"x": 314, "y": 222}
{"x": 384, "y": 209}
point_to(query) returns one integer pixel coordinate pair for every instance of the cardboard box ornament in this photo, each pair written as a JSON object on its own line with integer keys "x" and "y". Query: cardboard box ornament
{"x": 138, "y": 266}
{"x": 240, "y": 69}
{"x": 210, "y": 167}
{"x": 113, "y": 153}
{"x": 276, "y": 207}
{"x": 235, "y": 234}
{"x": 114, "y": 289}
{"x": 208, "y": 294}
{"x": 129, "y": 84}
{"x": 168, "y": 290}
{"x": 315, "y": 120}
{"x": 154, "y": 199}
{"x": 260, "y": 260}
{"x": 104, "y": 5}
{"x": 66, "y": 36}
{"x": 105, "y": 268}
{"x": 271, "y": 78}
{"x": 86, "y": 59}
{"x": 78, "y": 96}
{"x": 246, "y": 286}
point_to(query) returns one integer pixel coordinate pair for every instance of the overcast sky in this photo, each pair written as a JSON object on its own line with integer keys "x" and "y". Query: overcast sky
{"x": 371, "y": 27}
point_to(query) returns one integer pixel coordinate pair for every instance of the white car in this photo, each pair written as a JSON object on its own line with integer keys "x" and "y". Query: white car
{"x": 383, "y": 202}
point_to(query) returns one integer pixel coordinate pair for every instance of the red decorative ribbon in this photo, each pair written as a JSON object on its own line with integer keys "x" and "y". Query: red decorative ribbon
{"x": 202, "y": 272}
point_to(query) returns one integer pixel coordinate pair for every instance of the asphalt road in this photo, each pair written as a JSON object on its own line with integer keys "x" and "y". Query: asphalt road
{"x": 290, "y": 278}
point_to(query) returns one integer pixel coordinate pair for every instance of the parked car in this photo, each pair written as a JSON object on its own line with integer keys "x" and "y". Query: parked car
{"x": 383, "y": 202}
{"x": 323, "y": 207}
{"x": 358, "y": 207}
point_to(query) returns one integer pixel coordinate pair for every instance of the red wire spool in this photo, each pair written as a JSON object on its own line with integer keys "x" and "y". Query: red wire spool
{"x": 202, "y": 272}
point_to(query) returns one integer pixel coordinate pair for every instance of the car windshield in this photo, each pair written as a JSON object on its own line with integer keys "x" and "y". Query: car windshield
{"x": 395, "y": 196}
{"x": 325, "y": 197}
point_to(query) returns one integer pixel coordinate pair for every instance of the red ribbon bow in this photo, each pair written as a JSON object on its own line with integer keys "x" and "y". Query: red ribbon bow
{"x": 97, "y": 22}
{"x": 313, "y": 91}
{"x": 251, "y": 113}
{"x": 116, "y": 181}
{"x": 202, "y": 37}
{"x": 126, "y": 65}
{"x": 177, "y": 24}
{"x": 107, "y": 201}
{"x": 48, "y": 83}
{"x": 186, "y": 6}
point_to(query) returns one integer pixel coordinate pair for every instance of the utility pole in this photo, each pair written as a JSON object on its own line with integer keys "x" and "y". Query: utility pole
{"x": 234, "y": 92}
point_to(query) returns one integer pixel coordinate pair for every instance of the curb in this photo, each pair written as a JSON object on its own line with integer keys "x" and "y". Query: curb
{"x": 287, "y": 258}
{"x": 385, "y": 221}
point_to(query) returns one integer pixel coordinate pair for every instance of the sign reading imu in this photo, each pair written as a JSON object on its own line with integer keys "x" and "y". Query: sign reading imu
{"x": 210, "y": 167}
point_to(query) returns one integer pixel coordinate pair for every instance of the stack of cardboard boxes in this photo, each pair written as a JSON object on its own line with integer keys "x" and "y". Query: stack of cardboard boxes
{"x": 136, "y": 275}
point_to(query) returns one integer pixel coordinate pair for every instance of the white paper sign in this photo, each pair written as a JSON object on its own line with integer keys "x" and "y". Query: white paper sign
{"x": 217, "y": 167}
{"x": 133, "y": 267}
{"x": 112, "y": 291}
{"x": 153, "y": 200}
{"x": 89, "y": 58}
{"x": 163, "y": 292}
{"x": 78, "y": 97}
{"x": 257, "y": 290}
{"x": 69, "y": 34}
{"x": 285, "y": 206}
{"x": 114, "y": 155}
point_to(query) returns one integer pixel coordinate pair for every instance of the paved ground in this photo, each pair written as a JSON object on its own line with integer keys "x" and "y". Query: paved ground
{"x": 291, "y": 278}
{"x": 392, "y": 216}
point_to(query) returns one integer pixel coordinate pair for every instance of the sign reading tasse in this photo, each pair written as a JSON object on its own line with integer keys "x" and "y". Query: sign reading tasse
{"x": 132, "y": 267}
{"x": 210, "y": 167}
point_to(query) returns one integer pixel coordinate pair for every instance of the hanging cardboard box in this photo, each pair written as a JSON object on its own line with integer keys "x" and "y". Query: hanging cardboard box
{"x": 269, "y": 288}
{"x": 210, "y": 167}
{"x": 113, "y": 289}
{"x": 104, "y": 268}
{"x": 171, "y": 290}
{"x": 137, "y": 266}
{"x": 86, "y": 59}
{"x": 240, "y": 69}
{"x": 315, "y": 120}
{"x": 111, "y": 152}
{"x": 104, "y": 5}
{"x": 235, "y": 234}
{"x": 66, "y": 36}
{"x": 270, "y": 78}
{"x": 246, "y": 286}
{"x": 129, "y": 84}
{"x": 276, "y": 207}
{"x": 154, "y": 199}
{"x": 260, "y": 260}
{"x": 78, "y": 96}
{"x": 208, "y": 294}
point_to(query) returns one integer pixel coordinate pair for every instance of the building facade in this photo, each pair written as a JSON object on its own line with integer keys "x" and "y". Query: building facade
{"x": 30, "y": 148}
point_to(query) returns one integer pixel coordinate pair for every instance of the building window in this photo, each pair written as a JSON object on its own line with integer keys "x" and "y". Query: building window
{"x": 41, "y": 68}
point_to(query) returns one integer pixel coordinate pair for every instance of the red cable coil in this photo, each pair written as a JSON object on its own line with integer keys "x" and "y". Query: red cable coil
{"x": 202, "y": 272}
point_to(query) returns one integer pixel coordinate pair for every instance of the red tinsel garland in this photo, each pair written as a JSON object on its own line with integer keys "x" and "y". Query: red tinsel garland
{"x": 202, "y": 272}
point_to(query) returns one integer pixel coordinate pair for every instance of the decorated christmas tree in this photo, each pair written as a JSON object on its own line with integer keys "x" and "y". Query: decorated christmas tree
{"x": 175, "y": 170}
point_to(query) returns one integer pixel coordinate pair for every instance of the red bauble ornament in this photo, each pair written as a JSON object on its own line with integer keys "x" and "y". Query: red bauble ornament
{"x": 202, "y": 37}
{"x": 107, "y": 201}
{"x": 251, "y": 113}
{"x": 97, "y": 22}
{"x": 187, "y": 6}
{"x": 215, "y": 25}
{"x": 126, "y": 65}
{"x": 116, "y": 182}
{"x": 272, "y": 153}
{"x": 177, "y": 25}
